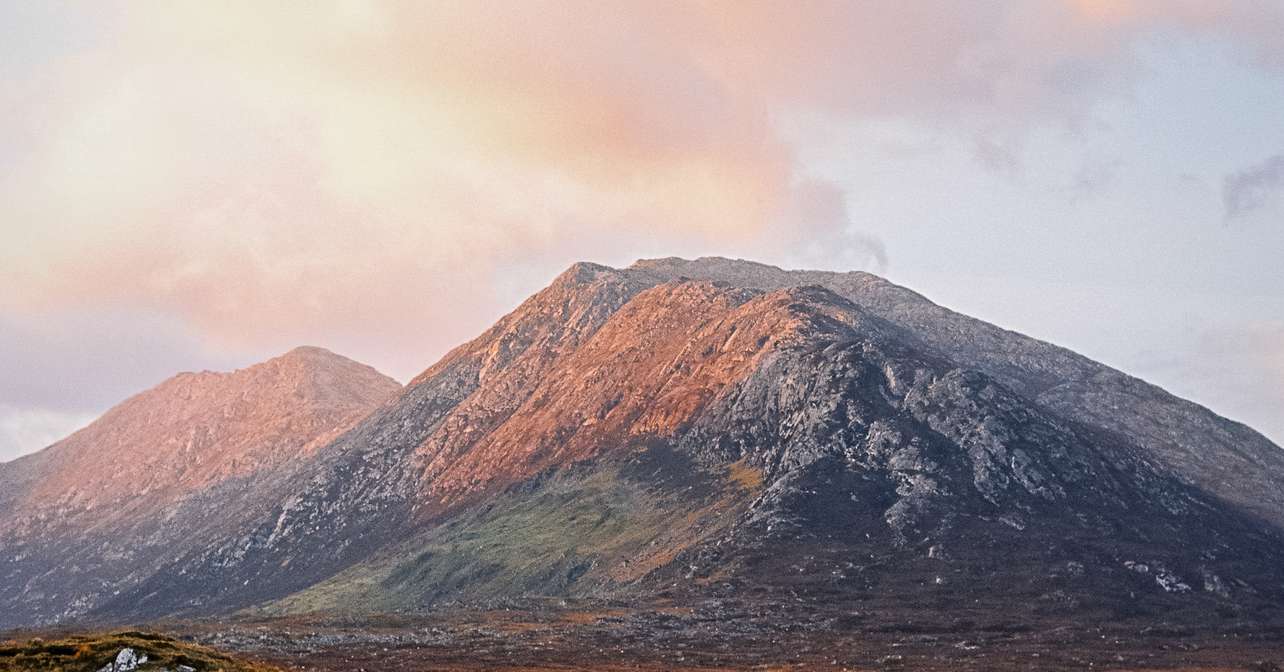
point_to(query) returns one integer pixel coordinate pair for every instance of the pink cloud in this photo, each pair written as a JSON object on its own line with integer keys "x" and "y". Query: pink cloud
{"x": 368, "y": 172}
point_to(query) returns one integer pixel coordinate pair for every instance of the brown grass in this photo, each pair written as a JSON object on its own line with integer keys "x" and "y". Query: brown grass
{"x": 86, "y": 653}
{"x": 747, "y": 477}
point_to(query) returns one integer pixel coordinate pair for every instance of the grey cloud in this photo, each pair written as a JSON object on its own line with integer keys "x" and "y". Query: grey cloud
{"x": 1248, "y": 367}
{"x": 822, "y": 234}
{"x": 24, "y": 430}
{"x": 1237, "y": 370}
{"x": 1093, "y": 177}
{"x": 1253, "y": 188}
{"x": 62, "y": 370}
{"x": 84, "y": 362}
{"x": 996, "y": 155}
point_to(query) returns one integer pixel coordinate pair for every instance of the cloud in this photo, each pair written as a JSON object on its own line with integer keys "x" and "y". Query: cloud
{"x": 25, "y": 430}
{"x": 62, "y": 369}
{"x": 1253, "y": 188}
{"x": 817, "y": 217}
{"x": 72, "y": 364}
{"x": 373, "y": 176}
{"x": 1243, "y": 368}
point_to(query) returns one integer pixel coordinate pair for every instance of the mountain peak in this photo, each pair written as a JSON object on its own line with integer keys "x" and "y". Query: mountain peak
{"x": 730, "y": 269}
{"x": 195, "y": 430}
{"x": 313, "y": 353}
{"x": 311, "y": 358}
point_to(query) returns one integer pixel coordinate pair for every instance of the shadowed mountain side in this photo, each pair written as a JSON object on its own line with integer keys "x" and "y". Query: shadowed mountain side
{"x": 1221, "y": 456}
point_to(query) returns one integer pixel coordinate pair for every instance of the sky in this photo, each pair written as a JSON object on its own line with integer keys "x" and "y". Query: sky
{"x": 196, "y": 185}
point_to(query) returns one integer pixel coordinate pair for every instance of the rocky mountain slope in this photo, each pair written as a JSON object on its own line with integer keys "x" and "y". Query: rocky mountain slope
{"x": 1221, "y": 456}
{"x": 87, "y": 515}
{"x": 681, "y": 430}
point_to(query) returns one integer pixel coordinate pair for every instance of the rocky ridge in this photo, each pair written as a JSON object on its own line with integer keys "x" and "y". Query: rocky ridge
{"x": 1224, "y": 457}
{"x": 684, "y": 430}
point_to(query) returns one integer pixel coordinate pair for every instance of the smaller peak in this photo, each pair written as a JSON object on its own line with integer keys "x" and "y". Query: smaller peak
{"x": 323, "y": 367}
{"x": 300, "y": 358}
{"x": 315, "y": 358}
{"x": 310, "y": 352}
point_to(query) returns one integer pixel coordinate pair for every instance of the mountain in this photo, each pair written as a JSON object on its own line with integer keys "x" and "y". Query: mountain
{"x": 685, "y": 430}
{"x": 88, "y": 514}
{"x": 1226, "y": 458}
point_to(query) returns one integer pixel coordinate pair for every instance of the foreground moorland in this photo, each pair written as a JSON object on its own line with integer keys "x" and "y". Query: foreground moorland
{"x": 711, "y": 635}
{"x": 116, "y": 652}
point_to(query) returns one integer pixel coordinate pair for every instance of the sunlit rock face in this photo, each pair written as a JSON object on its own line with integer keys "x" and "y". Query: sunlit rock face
{"x": 682, "y": 430}
{"x": 106, "y": 505}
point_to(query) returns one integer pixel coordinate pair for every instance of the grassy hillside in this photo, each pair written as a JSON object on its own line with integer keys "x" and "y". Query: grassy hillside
{"x": 579, "y": 532}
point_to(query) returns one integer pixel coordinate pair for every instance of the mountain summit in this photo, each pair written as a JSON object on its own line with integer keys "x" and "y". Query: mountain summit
{"x": 686, "y": 430}
{"x": 1227, "y": 458}
{"x": 94, "y": 501}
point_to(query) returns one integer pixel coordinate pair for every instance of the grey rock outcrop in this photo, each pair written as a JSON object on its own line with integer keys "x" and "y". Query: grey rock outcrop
{"x": 126, "y": 661}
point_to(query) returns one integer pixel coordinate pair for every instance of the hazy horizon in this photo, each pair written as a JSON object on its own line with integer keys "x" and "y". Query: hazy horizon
{"x": 195, "y": 186}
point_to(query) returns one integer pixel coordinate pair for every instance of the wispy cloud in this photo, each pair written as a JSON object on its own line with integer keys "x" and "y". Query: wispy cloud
{"x": 85, "y": 361}
{"x": 1253, "y": 188}
{"x": 60, "y": 369}
{"x": 24, "y": 430}
{"x": 1242, "y": 369}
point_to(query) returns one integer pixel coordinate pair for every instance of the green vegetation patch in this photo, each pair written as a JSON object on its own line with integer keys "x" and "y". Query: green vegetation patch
{"x": 579, "y": 532}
